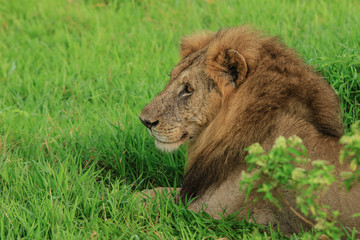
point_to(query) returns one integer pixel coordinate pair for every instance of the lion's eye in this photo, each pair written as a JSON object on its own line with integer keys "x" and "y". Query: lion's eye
{"x": 187, "y": 91}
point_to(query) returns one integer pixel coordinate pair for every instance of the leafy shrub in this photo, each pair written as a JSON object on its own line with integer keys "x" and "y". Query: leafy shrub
{"x": 351, "y": 152}
{"x": 282, "y": 168}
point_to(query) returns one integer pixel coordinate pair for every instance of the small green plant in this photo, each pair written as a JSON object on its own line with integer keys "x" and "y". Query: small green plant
{"x": 282, "y": 168}
{"x": 351, "y": 153}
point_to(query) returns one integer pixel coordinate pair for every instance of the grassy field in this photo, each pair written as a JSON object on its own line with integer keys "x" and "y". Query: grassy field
{"x": 74, "y": 76}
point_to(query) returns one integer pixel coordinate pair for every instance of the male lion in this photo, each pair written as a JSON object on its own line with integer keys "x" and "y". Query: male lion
{"x": 234, "y": 88}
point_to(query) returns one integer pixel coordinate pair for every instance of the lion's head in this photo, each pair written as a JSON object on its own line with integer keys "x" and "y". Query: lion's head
{"x": 194, "y": 94}
{"x": 186, "y": 105}
{"x": 231, "y": 89}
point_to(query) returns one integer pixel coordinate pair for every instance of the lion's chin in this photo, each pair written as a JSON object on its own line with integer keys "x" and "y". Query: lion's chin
{"x": 171, "y": 146}
{"x": 167, "y": 147}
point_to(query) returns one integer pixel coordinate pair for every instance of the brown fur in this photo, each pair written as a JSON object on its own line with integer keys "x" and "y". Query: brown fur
{"x": 246, "y": 88}
{"x": 278, "y": 84}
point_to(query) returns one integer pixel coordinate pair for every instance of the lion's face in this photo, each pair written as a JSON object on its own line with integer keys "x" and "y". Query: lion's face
{"x": 185, "y": 106}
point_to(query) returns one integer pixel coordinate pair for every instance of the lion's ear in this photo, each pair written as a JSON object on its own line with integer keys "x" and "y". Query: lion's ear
{"x": 227, "y": 68}
{"x": 194, "y": 43}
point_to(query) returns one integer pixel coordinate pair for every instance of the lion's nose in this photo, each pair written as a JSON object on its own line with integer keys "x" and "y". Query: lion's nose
{"x": 148, "y": 123}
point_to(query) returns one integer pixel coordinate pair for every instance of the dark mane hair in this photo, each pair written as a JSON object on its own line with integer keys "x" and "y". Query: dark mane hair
{"x": 278, "y": 85}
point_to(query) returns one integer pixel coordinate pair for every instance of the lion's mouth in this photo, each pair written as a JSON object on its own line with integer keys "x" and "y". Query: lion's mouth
{"x": 182, "y": 138}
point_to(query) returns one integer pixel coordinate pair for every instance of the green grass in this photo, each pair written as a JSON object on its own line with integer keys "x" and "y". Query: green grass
{"x": 74, "y": 76}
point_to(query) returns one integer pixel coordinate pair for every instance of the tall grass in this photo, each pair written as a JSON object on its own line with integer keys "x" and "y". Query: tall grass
{"x": 74, "y": 76}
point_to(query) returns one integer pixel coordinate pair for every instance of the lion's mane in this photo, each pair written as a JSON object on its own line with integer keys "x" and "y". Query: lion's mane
{"x": 278, "y": 87}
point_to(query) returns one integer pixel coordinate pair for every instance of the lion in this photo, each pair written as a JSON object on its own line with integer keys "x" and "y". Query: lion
{"x": 234, "y": 88}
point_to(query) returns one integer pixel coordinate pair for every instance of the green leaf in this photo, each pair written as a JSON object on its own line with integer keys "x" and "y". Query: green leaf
{"x": 298, "y": 174}
{"x": 353, "y": 165}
